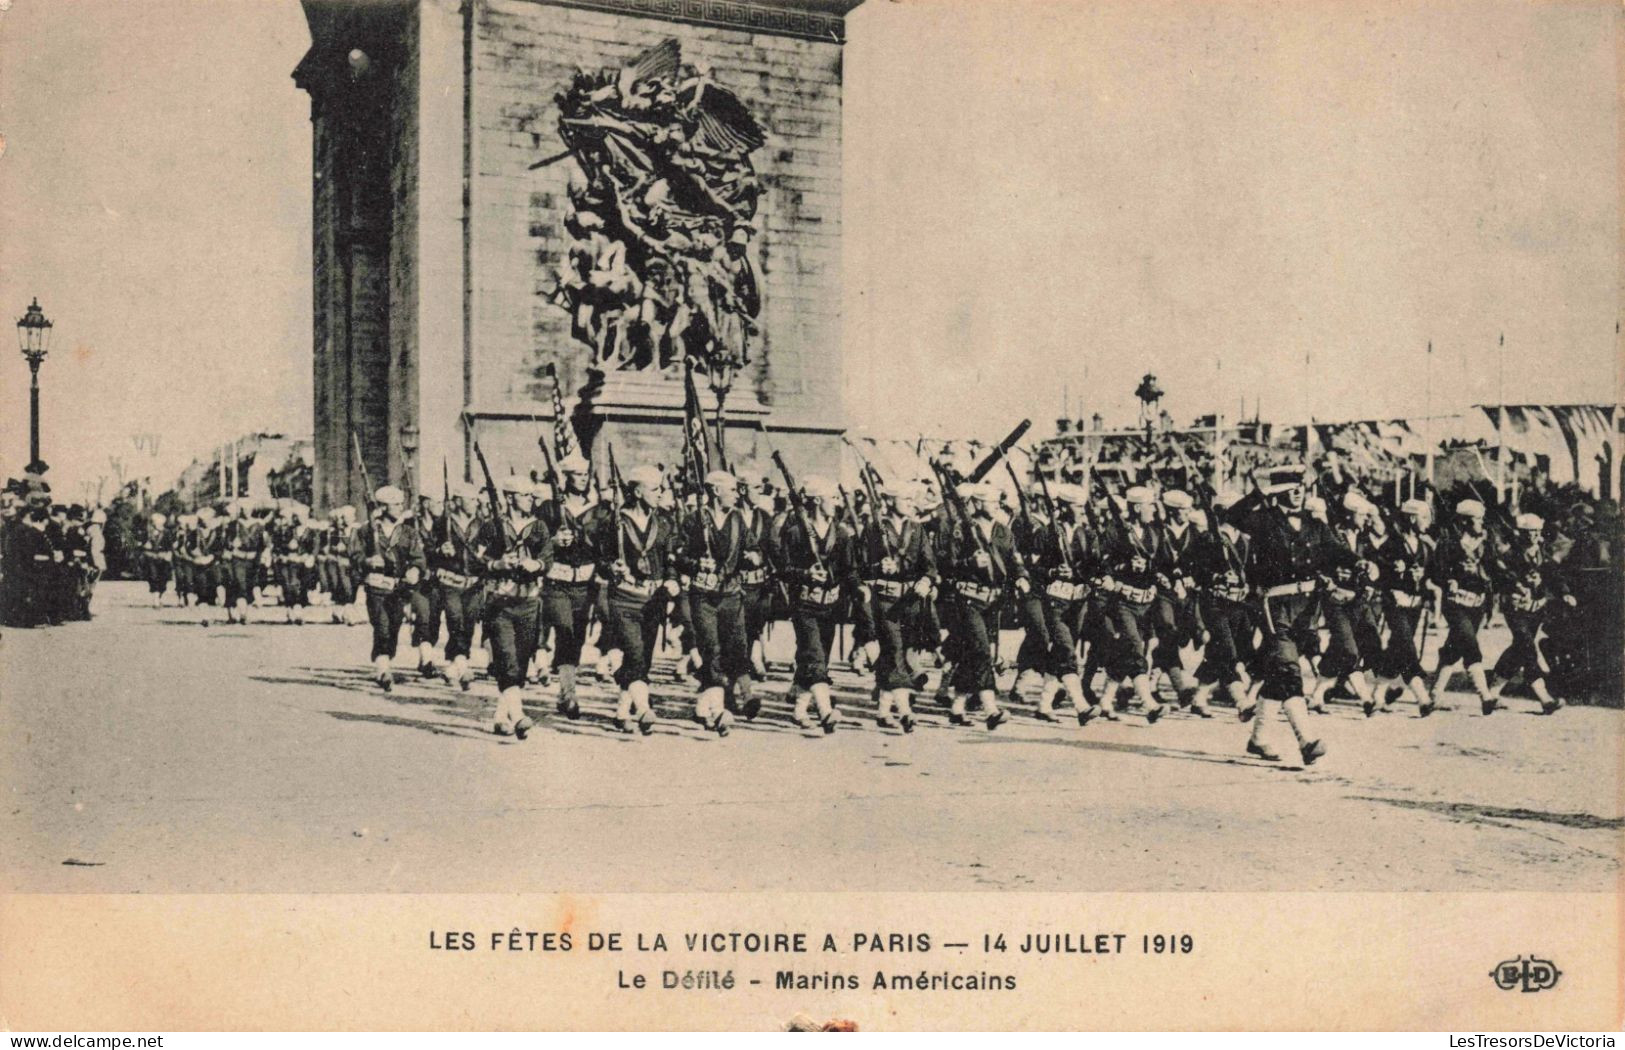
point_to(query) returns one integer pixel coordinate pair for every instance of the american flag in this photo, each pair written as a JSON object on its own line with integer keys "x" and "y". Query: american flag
{"x": 696, "y": 442}
{"x": 561, "y": 429}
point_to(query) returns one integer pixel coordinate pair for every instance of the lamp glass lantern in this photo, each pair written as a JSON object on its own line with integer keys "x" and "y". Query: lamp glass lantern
{"x": 34, "y": 335}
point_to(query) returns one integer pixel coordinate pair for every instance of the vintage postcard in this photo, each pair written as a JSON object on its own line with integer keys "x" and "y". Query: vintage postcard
{"x": 812, "y": 514}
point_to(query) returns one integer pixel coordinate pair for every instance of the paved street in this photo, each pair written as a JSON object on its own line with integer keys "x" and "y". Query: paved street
{"x": 143, "y": 752}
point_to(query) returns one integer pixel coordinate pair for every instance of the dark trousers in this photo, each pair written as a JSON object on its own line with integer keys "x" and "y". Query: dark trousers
{"x": 892, "y": 617}
{"x": 1461, "y": 639}
{"x": 511, "y": 626}
{"x": 815, "y": 633}
{"x": 1174, "y": 621}
{"x": 1229, "y": 641}
{"x": 1342, "y": 653}
{"x": 461, "y": 608}
{"x": 424, "y": 601}
{"x": 294, "y": 583}
{"x": 972, "y": 626}
{"x": 1523, "y": 655}
{"x": 566, "y": 609}
{"x": 719, "y": 634}
{"x": 238, "y": 576}
{"x": 1399, "y": 657}
{"x": 1125, "y": 657}
{"x": 386, "y": 610}
{"x": 633, "y": 627}
{"x": 157, "y": 573}
{"x": 1290, "y": 617}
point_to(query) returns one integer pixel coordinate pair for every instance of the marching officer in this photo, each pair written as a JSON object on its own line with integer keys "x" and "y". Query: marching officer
{"x": 579, "y": 525}
{"x": 513, "y": 550}
{"x": 642, "y": 584}
{"x": 816, "y": 560}
{"x": 238, "y": 547}
{"x": 1132, "y": 551}
{"x": 454, "y": 577}
{"x": 1528, "y": 582}
{"x": 1174, "y": 614}
{"x": 897, "y": 565}
{"x": 1462, "y": 571}
{"x": 1406, "y": 562}
{"x": 710, "y": 548}
{"x": 978, "y": 559}
{"x": 388, "y": 556}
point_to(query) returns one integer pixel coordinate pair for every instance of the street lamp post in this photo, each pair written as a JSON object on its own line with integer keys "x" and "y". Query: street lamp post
{"x": 34, "y": 336}
{"x": 409, "y": 452}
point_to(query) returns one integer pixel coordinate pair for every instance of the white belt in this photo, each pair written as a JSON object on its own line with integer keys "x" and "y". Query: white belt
{"x": 1341, "y": 595}
{"x": 977, "y": 592}
{"x": 627, "y": 588}
{"x": 1284, "y": 590}
{"x": 1137, "y": 595}
{"x": 819, "y": 595}
{"x": 513, "y": 589}
{"x": 559, "y": 572}
{"x": 885, "y": 588}
{"x": 1065, "y": 590}
{"x": 1231, "y": 594}
{"x": 1405, "y": 600}
{"x": 1521, "y": 603}
{"x": 381, "y": 581}
{"x": 753, "y": 576}
{"x": 709, "y": 582}
{"x": 1465, "y": 599}
{"x": 455, "y": 580}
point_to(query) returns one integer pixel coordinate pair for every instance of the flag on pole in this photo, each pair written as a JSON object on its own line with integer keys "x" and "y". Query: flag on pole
{"x": 695, "y": 438}
{"x": 561, "y": 429}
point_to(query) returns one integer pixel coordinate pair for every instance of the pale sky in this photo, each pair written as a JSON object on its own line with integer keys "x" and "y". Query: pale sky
{"x": 1039, "y": 196}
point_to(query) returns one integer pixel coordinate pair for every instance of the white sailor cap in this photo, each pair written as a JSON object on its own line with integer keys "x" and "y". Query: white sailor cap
{"x": 1068, "y": 492}
{"x": 820, "y": 488}
{"x": 1470, "y": 508}
{"x": 574, "y": 463}
{"x": 390, "y": 496}
{"x": 1355, "y": 503}
{"x": 646, "y": 476}
{"x": 1174, "y": 499}
{"x": 157, "y": 518}
{"x": 721, "y": 479}
{"x": 1418, "y": 507}
{"x": 465, "y": 492}
{"x": 1530, "y": 522}
{"x": 977, "y": 490}
{"x": 1138, "y": 494}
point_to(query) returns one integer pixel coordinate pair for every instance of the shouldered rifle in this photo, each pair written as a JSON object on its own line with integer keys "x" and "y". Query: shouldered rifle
{"x": 999, "y": 451}
{"x": 1055, "y": 522}
{"x": 867, "y": 473}
{"x": 499, "y": 517}
{"x": 800, "y": 509}
{"x": 950, "y": 497}
{"x": 547, "y": 462}
{"x": 366, "y": 482}
{"x": 616, "y": 503}
{"x": 445, "y": 501}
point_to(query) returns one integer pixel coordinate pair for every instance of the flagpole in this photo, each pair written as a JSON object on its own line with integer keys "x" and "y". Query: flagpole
{"x": 1427, "y": 419}
{"x": 1500, "y": 422}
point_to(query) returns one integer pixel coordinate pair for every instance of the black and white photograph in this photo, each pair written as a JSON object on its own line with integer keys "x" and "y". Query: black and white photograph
{"x": 817, "y": 447}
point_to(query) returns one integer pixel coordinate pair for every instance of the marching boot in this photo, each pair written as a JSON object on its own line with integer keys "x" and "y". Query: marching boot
{"x": 426, "y": 664}
{"x": 1108, "y": 700}
{"x": 1247, "y": 701}
{"x": 995, "y": 714}
{"x": 642, "y": 709}
{"x": 826, "y": 707}
{"x": 758, "y": 660}
{"x": 1046, "y": 699}
{"x": 569, "y": 707}
{"x": 1081, "y": 704}
{"x": 1255, "y": 743}
{"x": 1487, "y": 700}
{"x": 1549, "y": 704}
{"x": 883, "y": 707}
{"x": 242, "y": 611}
{"x": 1317, "y": 696}
{"x": 803, "y": 700}
{"x": 382, "y": 674}
{"x": 1201, "y": 697}
{"x": 1148, "y": 700}
{"x": 744, "y": 691}
{"x": 1297, "y": 716}
{"x": 462, "y": 673}
{"x": 623, "y": 712}
{"x": 1184, "y": 693}
{"x": 956, "y": 710}
{"x": 1362, "y": 690}
{"x": 905, "y": 712}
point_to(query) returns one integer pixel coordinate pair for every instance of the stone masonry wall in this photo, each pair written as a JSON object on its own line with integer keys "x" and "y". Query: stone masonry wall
{"x": 524, "y": 52}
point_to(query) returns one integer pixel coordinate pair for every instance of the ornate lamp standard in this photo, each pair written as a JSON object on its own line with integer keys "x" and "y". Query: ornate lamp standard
{"x": 409, "y": 456}
{"x": 34, "y": 336}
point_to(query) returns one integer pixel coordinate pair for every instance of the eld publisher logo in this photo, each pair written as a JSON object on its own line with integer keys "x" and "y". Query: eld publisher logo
{"x": 1529, "y": 975}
